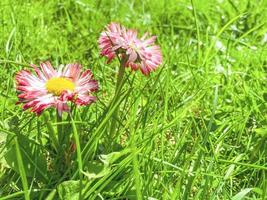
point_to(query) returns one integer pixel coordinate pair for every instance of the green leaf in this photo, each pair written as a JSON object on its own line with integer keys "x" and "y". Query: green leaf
{"x": 51, "y": 195}
{"x": 242, "y": 194}
{"x": 111, "y": 158}
{"x": 33, "y": 159}
{"x": 2, "y": 142}
{"x": 96, "y": 170}
{"x": 69, "y": 190}
{"x": 22, "y": 171}
{"x": 261, "y": 131}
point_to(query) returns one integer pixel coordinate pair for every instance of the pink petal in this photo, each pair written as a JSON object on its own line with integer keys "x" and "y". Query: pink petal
{"x": 48, "y": 70}
{"x": 132, "y": 57}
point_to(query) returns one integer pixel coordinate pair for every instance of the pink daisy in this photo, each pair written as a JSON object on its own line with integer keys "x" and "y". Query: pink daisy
{"x": 50, "y": 88}
{"x": 140, "y": 53}
{"x": 111, "y": 40}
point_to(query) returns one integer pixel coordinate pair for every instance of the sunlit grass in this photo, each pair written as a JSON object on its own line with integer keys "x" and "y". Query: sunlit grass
{"x": 194, "y": 129}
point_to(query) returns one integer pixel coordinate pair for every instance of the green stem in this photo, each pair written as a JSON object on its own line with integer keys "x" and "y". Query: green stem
{"x": 60, "y": 131}
{"x": 22, "y": 171}
{"x": 120, "y": 78}
{"x": 79, "y": 155}
{"x": 51, "y": 131}
{"x": 119, "y": 85}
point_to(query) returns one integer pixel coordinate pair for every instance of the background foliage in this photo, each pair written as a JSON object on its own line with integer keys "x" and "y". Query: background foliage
{"x": 194, "y": 129}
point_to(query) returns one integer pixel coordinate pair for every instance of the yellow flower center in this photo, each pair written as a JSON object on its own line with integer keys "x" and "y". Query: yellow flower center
{"x": 58, "y": 85}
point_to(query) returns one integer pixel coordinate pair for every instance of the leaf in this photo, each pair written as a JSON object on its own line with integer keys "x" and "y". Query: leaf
{"x": 96, "y": 170}
{"x": 33, "y": 159}
{"x": 261, "y": 131}
{"x": 131, "y": 194}
{"x": 69, "y": 190}
{"x": 242, "y": 194}
{"x": 258, "y": 191}
{"x": 229, "y": 172}
{"x": 51, "y": 195}
{"x": 231, "y": 168}
{"x": 109, "y": 159}
{"x": 2, "y": 143}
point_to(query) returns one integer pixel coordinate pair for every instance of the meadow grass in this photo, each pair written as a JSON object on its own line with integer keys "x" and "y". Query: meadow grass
{"x": 194, "y": 129}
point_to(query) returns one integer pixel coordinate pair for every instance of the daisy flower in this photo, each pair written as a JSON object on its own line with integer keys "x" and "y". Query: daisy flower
{"x": 48, "y": 87}
{"x": 111, "y": 40}
{"x": 140, "y": 53}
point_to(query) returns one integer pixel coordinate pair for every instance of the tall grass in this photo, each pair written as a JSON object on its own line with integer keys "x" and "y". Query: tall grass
{"x": 194, "y": 129}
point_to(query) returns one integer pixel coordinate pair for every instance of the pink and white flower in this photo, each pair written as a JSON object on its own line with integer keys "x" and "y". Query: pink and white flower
{"x": 140, "y": 53}
{"x": 55, "y": 88}
{"x": 112, "y": 40}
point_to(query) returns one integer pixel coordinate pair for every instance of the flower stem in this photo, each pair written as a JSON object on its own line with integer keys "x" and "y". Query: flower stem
{"x": 120, "y": 78}
{"x": 60, "y": 129}
{"x": 51, "y": 131}
{"x": 79, "y": 155}
{"x": 119, "y": 85}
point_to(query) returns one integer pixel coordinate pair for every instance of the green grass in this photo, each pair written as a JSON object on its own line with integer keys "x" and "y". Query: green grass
{"x": 194, "y": 129}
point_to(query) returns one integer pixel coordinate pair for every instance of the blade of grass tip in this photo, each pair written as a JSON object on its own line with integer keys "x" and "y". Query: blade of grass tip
{"x": 79, "y": 155}
{"x": 22, "y": 171}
